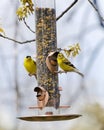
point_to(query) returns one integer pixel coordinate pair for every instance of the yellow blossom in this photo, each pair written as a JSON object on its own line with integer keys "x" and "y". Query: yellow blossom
{"x": 25, "y": 9}
{"x": 2, "y": 31}
{"x": 73, "y": 50}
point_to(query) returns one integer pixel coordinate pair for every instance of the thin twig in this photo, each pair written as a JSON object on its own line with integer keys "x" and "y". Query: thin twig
{"x": 66, "y": 10}
{"x": 33, "y": 31}
{"x": 24, "y": 42}
{"x": 96, "y": 10}
{"x": 28, "y": 26}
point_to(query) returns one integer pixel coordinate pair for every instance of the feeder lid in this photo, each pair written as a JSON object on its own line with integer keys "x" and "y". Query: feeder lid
{"x": 43, "y": 118}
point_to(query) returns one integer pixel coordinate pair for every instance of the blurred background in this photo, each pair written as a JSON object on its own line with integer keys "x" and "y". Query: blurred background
{"x": 82, "y": 25}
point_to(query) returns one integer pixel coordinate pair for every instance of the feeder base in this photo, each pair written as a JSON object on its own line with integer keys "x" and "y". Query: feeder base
{"x": 44, "y": 118}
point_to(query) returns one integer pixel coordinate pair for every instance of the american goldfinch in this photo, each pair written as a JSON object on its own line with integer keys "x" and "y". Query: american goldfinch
{"x": 66, "y": 65}
{"x": 30, "y": 65}
{"x": 51, "y": 61}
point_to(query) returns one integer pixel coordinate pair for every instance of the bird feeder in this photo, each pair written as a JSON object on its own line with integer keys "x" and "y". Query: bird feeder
{"x": 48, "y": 92}
{"x": 46, "y": 41}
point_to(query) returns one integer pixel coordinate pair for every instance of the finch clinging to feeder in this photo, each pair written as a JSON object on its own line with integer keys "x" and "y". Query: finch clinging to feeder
{"x": 30, "y": 65}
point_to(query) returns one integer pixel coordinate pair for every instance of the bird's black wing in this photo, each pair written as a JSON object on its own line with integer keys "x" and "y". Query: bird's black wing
{"x": 69, "y": 63}
{"x": 34, "y": 62}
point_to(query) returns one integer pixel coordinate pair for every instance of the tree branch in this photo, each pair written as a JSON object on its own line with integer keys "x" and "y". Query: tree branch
{"x": 96, "y": 10}
{"x": 24, "y": 42}
{"x": 28, "y": 26}
{"x": 66, "y": 10}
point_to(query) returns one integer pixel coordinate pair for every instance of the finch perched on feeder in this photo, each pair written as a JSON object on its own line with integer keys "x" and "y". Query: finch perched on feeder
{"x": 66, "y": 65}
{"x": 30, "y": 65}
{"x": 51, "y": 61}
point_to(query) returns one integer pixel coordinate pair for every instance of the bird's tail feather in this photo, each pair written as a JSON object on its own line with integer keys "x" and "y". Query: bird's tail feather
{"x": 77, "y": 71}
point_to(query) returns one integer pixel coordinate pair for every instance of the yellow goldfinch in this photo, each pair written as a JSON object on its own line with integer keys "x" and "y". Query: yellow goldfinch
{"x": 66, "y": 65}
{"x": 30, "y": 65}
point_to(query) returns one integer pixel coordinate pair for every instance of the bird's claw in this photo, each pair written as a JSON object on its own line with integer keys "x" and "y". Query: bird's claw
{"x": 30, "y": 74}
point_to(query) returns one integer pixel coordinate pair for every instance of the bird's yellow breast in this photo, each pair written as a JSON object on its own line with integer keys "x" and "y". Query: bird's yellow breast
{"x": 30, "y": 66}
{"x": 64, "y": 66}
